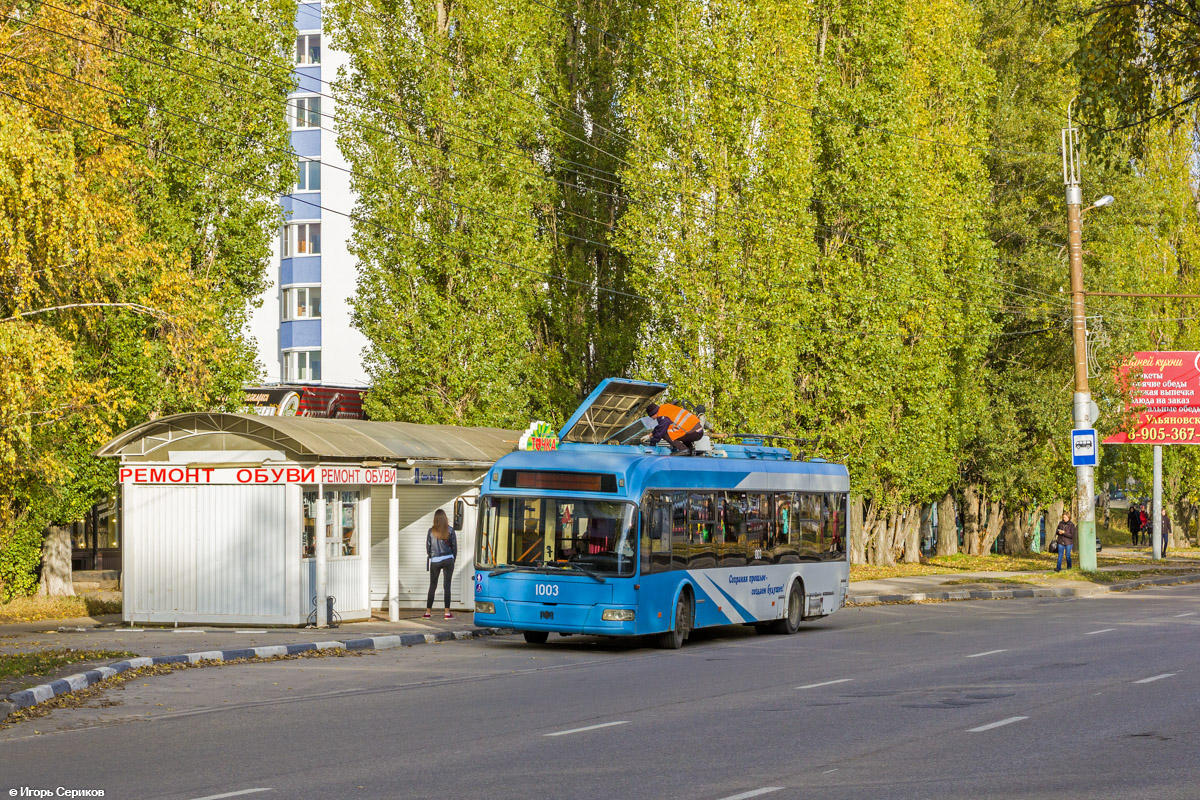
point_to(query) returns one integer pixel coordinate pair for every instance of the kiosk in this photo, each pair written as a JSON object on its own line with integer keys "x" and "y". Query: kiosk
{"x": 239, "y": 519}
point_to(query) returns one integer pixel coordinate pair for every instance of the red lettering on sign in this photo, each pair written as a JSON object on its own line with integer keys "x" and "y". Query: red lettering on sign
{"x": 126, "y": 473}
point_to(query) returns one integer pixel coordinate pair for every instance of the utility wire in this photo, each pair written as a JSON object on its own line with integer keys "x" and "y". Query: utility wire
{"x": 502, "y": 262}
{"x": 806, "y": 109}
{"x": 1007, "y": 309}
{"x": 716, "y": 208}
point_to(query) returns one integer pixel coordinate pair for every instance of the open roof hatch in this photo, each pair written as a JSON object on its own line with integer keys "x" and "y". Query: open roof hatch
{"x": 613, "y": 413}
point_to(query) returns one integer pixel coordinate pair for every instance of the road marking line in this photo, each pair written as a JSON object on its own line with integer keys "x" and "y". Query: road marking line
{"x": 826, "y": 683}
{"x": 826, "y": 772}
{"x": 1008, "y": 721}
{"x": 233, "y": 794}
{"x": 1188, "y": 614}
{"x": 589, "y": 728}
{"x": 1156, "y": 678}
{"x": 1103, "y": 630}
{"x": 753, "y": 793}
{"x": 988, "y": 653}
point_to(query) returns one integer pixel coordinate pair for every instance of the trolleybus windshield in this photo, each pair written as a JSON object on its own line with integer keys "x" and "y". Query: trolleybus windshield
{"x": 596, "y": 537}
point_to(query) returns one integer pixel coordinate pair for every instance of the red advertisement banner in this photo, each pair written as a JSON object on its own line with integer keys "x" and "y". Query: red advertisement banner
{"x": 1166, "y": 398}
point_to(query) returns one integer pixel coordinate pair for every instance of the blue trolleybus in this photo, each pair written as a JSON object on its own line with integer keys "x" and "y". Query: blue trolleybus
{"x": 608, "y": 536}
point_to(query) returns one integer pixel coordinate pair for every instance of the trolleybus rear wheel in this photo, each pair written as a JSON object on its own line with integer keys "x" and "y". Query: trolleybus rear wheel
{"x": 795, "y": 611}
{"x": 536, "y": 637}
{"x": 673, "y": 639}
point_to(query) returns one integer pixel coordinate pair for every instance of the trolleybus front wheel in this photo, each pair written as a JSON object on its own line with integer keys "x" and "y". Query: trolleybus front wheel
{"x": 673, "y": 639}
{"x": 795, "y": 611}
{"x": 536, "y": 637}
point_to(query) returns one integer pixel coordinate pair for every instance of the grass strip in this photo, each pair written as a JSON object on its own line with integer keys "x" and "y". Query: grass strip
{"x": 33, "y": 609}
{"x": 43, "y": 662}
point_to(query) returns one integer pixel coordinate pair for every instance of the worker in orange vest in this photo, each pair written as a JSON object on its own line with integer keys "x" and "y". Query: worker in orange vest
{"x": 680, "y": 427}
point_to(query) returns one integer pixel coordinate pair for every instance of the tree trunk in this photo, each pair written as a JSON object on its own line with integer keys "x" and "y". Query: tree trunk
{"x": 880, "y": 545}
{"x": 947, "y": 544}
{"x": 858, "y": 531}
{"x": 914, "y": 524}
{"x": 1015, "y": 526}
{"x": 56, "y": 562}
{"x": 971, "y": 503}
{"x": 925, "y": 535}
{"x": 995, "y": 523}
{"x": 1053, "y": 517}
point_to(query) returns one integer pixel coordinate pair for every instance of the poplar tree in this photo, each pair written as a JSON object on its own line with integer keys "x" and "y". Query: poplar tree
{"x": 453, "y": 233}
{"x": 894, "y": 382}
{"x": 719, "y": 179}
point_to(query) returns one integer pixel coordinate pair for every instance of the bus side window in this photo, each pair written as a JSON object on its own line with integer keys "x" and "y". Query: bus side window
{"x": 758, "y": 522}
{"x": 701, "y": 525}
{"x": 835, "y": 526}
{"x": 679, "y": 530}
{"x": 811, "y": 520}
{"x": 660, "y": 532}
{"x": 731, "y": 551}
{"x": 787, "y": 548}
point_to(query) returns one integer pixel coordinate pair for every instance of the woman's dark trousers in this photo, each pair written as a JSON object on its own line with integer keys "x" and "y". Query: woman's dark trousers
{"x": 446, "y": 566}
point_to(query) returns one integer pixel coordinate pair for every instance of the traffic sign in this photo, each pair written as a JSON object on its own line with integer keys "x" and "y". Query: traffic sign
{"x": 1083, "y": 447}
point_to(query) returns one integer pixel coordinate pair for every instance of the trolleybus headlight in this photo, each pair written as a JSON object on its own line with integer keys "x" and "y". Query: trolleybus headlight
{"x": 482, "y": 607}
{"x": 617, "y": 615}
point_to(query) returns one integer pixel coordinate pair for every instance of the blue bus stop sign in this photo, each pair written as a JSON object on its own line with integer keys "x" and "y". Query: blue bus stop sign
{"x": 1083, "y": 447}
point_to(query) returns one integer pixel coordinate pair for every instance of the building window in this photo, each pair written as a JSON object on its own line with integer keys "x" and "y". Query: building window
{"x": 308, "y": 175}
{"x": 308, "y": 49}
{"x": 341, "y": 524}
{"x": 304, "y": 112}
{"x": 302, "y": 365}
{"x": 301, "y": 239}
{"x": 343, "y": 540}
{"x": 302, "y": 303}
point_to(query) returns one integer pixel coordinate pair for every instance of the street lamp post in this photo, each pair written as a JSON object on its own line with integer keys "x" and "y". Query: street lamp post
{"x": 1084, "y": 475}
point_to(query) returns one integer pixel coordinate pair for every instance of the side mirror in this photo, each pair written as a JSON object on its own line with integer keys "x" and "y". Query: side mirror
{"x": 459, "y": 513}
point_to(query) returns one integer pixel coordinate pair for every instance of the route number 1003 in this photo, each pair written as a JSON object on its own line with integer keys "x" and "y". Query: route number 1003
{"x": 545, "y": 590}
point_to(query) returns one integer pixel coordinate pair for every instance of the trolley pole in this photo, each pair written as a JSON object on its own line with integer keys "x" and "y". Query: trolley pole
{"x": 1084, "y": 485}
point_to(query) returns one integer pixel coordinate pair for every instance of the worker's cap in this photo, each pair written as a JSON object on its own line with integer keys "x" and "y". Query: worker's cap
{"x": 652, "y": 409}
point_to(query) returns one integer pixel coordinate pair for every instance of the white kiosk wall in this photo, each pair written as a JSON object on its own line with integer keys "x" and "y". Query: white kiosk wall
{"x": 417, "y": 506}
{"x": 211, "y": 553}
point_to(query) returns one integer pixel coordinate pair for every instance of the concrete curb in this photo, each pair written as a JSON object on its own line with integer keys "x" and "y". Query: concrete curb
{"x": 1032, "y": 591}
{"x": 46, "y": 691}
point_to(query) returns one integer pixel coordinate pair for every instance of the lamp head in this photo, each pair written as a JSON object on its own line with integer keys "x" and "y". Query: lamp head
{"x": 1104, "y": 201}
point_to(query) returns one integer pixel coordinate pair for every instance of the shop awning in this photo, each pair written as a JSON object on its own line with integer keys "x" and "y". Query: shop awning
{"x": 305, "y": 438}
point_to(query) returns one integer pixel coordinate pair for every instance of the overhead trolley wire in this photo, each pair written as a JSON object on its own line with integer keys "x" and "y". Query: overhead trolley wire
{"x": 807, "y": 109}
{"x": 466, "y": 251}
{"x": 714, "y": 206}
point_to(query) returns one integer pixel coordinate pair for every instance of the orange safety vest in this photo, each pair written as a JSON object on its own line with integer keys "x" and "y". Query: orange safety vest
{"x": 682, "y": 420}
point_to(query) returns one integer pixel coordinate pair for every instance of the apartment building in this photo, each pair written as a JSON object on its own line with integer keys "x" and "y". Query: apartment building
{"x": 303, "y": 325}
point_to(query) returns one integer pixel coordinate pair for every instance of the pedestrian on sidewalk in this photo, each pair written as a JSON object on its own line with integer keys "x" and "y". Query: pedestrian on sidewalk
{"x": 1166, "y": 532}
{"x": 441, "y": 549}
{"x": 1065, "y": 537}
{"x": 1144, "y": 525}
{"x": 1135, "y": 523}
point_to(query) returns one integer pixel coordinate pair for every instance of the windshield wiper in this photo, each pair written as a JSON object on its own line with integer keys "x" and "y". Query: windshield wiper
{"x": 577, "y": 568}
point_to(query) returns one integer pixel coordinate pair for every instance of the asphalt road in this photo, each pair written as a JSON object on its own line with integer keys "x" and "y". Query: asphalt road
{"x": 1008, "y": 699}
